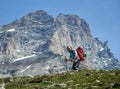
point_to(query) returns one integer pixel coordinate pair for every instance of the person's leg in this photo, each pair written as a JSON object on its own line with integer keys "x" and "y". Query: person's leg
{"x": 74, "y": 66}
{"x": 77, "y": 64}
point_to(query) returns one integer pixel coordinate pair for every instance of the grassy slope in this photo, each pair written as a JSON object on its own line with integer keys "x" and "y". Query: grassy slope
{"x": 84, "y": 79}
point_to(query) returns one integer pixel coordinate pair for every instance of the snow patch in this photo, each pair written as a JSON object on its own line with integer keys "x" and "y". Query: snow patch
{"x": 105, "y": 62}
{"x": 18, "y": 50}
{"x": 22, "y": 58}
{"x": 11, "y": 30}
{"x": 26, "y": 32}
{"x": 1, "y": 31}
{"x": 72, "y": 26}
{"x": 101, "y": 49}
{"x": 47, "y": 67}
{"x": 26, "y": 68}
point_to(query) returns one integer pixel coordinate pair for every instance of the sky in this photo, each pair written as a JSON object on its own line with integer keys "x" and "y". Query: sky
{"x": 103, "y": 16}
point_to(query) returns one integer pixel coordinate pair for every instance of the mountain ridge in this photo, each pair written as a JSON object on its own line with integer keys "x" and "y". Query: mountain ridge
{"x": 37, "y": 42}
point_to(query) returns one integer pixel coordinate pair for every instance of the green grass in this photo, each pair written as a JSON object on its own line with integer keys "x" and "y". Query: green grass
{"x": 1, "y": 81}
{"x": 84, "y": 79}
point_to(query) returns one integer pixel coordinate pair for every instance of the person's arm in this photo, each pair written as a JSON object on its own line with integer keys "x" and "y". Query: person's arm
{"x": 72, "y": 60}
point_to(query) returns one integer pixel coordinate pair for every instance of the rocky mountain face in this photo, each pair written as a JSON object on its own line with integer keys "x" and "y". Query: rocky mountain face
{"x": 36, "y": 44}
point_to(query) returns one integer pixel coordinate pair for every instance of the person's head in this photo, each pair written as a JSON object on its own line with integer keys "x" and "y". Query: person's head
{"x": 69, "y": 48}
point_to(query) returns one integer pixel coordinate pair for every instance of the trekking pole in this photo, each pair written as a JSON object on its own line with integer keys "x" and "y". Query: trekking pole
{"x": 66, "y": 64}
{"x": 64, "y": 50}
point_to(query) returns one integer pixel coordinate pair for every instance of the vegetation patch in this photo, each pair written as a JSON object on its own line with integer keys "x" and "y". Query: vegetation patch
{"x": 83, "y": 79}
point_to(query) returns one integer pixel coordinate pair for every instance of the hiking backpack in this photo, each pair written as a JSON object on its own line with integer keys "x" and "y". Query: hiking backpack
{"x": 80, "y": 53}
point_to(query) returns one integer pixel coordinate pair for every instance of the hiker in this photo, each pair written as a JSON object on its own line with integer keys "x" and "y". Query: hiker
{"x": 73, "y": 58}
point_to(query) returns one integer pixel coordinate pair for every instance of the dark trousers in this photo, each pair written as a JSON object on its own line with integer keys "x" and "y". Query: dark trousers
{"x": 75, "y": 65}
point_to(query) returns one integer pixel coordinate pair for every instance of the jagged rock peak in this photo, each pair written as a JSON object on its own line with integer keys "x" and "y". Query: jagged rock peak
{"x": 40, "y": 16}
{"x": 105, "y": 44}
{"x": 33, "y": 18}
{"x": 69, "y": 19}
{"x": 74, "y": 21}
{"x": 38, "y": 13}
